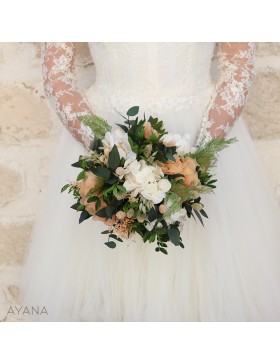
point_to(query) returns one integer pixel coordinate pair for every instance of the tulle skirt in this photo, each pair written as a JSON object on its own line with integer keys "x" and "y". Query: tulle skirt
{"x": 229, "y": 269}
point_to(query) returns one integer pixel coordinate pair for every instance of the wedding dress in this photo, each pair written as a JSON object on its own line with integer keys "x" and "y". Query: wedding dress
{"x": 229, "y": 269}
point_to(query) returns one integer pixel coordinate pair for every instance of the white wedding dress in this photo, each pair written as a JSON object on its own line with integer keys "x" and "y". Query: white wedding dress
{"x": 229, "y": 269}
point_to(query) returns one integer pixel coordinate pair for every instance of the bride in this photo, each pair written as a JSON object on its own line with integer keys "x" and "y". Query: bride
{"x": 229, "y": 269}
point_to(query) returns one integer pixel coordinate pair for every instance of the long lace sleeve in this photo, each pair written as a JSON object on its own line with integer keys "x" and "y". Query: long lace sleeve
{"x": 60, "y": 87}
{"x": 235, "y": 77}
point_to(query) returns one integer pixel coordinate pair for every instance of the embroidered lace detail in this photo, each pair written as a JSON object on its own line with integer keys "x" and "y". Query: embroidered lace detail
{"x": 159, "y": 77}
{"x": 166, "y": 101}
{"x": 60, "y": 86}
{"x": 236, "y": 75}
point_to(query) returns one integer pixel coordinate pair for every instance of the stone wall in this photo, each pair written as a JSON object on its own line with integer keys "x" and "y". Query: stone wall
{"x": 29, "y": 132}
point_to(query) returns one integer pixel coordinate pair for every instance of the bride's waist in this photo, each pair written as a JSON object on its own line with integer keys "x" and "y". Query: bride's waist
{"x": 162, "y": 100}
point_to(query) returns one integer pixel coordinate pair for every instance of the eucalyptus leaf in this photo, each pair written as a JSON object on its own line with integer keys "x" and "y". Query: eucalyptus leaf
{"x": 111, "y": 244}
{"x": 114, "y": 236}
{"x": 133, "y": 111}
{"x": 163, "y": 250}
{"x": 84, "y": 215}
{"x": 174, "y": 236}
{"x": 106, "y": 232}
{"x": 152, "y": 214}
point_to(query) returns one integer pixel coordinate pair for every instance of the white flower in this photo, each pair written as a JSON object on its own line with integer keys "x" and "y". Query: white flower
{"x": 147, "y": 181}
{"x": 181, "y": 142}
{"x": 119, "y": 138}
{"x": 164, "y": 184}
{"x": 130, "y": 164}
{"x": 180, "y": 216}
{"x": 130, "y": 157}
{"x": 150, "y": 225}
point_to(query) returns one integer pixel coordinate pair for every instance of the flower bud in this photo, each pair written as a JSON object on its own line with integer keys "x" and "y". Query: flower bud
{"x": 162, "y": 209}
{"x": 197, "y": 206}
{"x": 141, "y": 218}
{"x": 120, "y": 215}
{"x": 120, "y": 171}
{"x": 130, "y": 213}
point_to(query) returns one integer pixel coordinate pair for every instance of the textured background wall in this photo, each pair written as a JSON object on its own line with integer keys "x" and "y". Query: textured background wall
{"x": 29, "y": 133}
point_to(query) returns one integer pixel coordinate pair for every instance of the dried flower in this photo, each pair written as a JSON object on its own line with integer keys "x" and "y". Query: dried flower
{"x": 122, "y": 227}
{"x": 88, "y": 183}
{"x": 133, "y": 199}
{"x": 130, "y": 213}
{"x": 140, "y": 218}
{"x": 148, "y": 150}
{"x": 120, "y": 215}
{"x": 121, "y": 195}
{"x": 197, "y": 206}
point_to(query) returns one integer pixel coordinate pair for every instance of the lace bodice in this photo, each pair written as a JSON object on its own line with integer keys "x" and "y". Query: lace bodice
{"x": 163, "y": 76}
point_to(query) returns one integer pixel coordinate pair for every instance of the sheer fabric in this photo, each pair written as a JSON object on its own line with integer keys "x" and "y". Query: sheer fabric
{"x": 236, "y": 75}
{"x": 60, "y": 86}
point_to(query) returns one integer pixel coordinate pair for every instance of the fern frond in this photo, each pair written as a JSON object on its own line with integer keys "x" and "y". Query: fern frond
{"x": 206, "y": 153}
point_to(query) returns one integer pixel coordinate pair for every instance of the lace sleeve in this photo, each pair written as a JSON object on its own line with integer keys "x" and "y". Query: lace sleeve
{"x": 60, "y": 87}
{"x": 236, "y": 75}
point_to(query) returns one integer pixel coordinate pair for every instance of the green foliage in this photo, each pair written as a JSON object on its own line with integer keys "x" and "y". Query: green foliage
{"x": 206, "y": 154}
{"x": 114, "y": 158}
{"x": 111, "y": 244}
{"x": 133, "y": 111}
{"x": 64, "y": 188}
{"x": 81, "y": 175}
{"x": 174, "y": 202}
{"x": 174, "y": 236}
{"x": 102, "y": 172}
{"x": 84, "y": 216}
{"x": 98, "y": 125}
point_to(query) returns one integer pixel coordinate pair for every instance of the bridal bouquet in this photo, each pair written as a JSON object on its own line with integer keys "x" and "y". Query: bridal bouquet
{"x": 139, "y": 178}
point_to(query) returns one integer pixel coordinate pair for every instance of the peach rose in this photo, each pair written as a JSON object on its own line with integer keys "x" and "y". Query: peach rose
{"x": 172, "y": 167}
{"x": 148, "y": 129}
{"x": 91, "y": 208}
{"x": 187, "y": 167}
{"x": 170, "y": 143}
{"x": 189, "y": 171}
{"x": 87, "y": 184}
{"x": 120, "y": 215}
